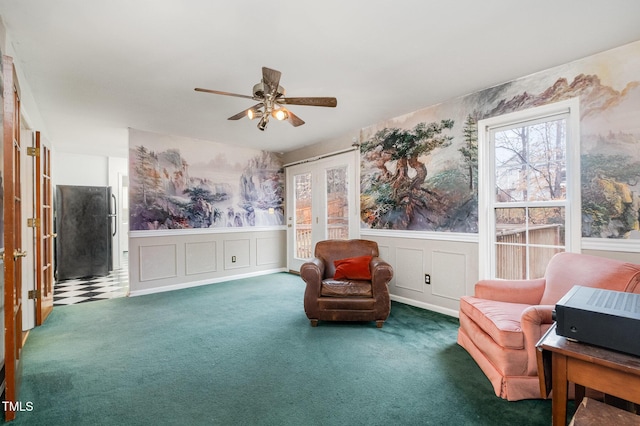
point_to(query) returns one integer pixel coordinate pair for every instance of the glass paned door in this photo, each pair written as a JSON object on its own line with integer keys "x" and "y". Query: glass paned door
{"x": 337, "y": 203}
{"x": 302, "y": 222}
{"x": 320, "y": 202}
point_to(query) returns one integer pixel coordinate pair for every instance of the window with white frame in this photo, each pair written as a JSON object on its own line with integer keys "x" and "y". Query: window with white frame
{"x": 529, "y": 189}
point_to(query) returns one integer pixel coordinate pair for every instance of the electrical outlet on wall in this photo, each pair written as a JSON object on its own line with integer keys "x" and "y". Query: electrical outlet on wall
{"x": 427, "y": 279}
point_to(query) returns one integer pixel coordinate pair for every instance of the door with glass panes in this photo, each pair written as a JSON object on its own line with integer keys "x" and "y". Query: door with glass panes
{"x": 321, "y": 205}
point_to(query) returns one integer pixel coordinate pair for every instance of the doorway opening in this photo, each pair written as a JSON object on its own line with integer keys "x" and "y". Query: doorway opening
{"x": 321, "y": 204}
{"x": 91, "y": 289}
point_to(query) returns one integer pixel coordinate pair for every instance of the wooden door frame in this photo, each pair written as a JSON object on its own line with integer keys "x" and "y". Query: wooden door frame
{"x": 12, "y": 233}
{"x": 44, "y": 230}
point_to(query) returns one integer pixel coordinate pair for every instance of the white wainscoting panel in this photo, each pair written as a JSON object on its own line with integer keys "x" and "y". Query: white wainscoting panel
{"x": 158, "y": 262}
{"x": 408, "y": 270}
{"x": 171, "y": 261}
{"x": 451, "y": 263}
{"x": 268, "y": 250}
{"x": 449, "y": 274}
{"x": 237, "y": 253}
{"x": 200, "y": 257}
{"x": 384, "y": 252}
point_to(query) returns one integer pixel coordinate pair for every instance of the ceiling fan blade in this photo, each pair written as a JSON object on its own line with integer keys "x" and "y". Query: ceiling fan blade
{"x": 321, "y": 102}
{"x": 217, "y": 92}
{"x": 271, "y": 78}
{"x": 243, "y": 114}
{"x": 294, "y": 120}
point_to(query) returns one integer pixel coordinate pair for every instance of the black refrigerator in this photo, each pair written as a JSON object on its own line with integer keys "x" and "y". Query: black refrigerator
{"x": 85, "y": 220}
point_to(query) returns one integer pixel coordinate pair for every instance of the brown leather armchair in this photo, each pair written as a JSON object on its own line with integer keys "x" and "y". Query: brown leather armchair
{"x": 346, "y": 299}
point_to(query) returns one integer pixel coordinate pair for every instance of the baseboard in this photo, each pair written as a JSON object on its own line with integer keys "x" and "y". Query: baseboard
{"x": 405, "y": 300}
{"x": 203, "y": 282}
{"x": 427, "y": 306}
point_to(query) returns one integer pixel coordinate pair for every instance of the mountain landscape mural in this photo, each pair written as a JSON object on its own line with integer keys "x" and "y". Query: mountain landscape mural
{"x": 420, "y": 183}
{"x": 610, "y": 150}
{"x": 167, "y": 191}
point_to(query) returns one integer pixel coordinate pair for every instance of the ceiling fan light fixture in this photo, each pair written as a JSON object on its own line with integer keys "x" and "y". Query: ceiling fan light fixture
{"x": 262, "y": 124}
{"x": 280, "y": 114}
{"x": 253, "y": 113}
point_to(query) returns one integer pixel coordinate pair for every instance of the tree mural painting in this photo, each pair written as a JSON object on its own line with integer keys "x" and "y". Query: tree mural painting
{"x": 470, "y": 150}
{"x": 397, "y": 196}
{"x": 399, "y": 193}
{"x": 610, "y": 209}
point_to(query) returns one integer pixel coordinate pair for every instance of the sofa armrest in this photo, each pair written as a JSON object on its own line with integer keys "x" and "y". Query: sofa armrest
{"x": 312, "y": 273}
{"x": 535, "y": 322}
{"x": 528, "y": 292}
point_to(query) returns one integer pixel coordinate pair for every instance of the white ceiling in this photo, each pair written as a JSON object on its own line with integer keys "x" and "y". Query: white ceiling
{"x": 95, "y": 68}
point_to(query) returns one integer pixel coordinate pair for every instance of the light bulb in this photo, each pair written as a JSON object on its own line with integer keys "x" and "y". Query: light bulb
{"x": 280, "y": 114}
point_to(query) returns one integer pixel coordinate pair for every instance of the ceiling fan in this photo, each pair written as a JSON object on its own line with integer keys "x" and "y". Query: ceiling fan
{"x": 271, "y": 98}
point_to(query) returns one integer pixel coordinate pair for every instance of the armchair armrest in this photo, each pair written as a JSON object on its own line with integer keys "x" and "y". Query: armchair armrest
{"x": 528, "y": 292}
{"x": 535, "y": 321}
{"x": 312, "y": 273}
{"x": 381, "y": 274}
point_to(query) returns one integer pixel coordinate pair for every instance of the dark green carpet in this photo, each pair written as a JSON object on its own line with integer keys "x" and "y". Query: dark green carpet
{"x": 243, "y": 353}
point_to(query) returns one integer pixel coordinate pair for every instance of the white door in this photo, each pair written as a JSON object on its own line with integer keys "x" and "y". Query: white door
{"x": 123, "y": 214}
{"x": 321, "y": 204}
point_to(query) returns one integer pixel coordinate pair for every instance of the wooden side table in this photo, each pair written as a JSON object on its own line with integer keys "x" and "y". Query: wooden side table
{"x": 593, "y": 413}
{"x": 561, "y": 361}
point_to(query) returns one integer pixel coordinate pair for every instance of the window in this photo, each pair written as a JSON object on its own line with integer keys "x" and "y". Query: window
{"x": 529, "y": 190}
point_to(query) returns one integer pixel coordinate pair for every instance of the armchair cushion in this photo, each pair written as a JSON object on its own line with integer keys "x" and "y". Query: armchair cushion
{"x": 348, "y": 288}
{"x": 353, "y": 268}
{"x": 500, "y": 320}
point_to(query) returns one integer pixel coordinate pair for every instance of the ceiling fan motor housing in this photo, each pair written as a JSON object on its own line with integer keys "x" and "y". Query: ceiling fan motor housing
{"x": 259, "y": 91}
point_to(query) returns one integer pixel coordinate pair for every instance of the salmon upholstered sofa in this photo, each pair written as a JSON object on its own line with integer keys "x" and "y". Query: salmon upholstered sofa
{"x": 501, "y": 324}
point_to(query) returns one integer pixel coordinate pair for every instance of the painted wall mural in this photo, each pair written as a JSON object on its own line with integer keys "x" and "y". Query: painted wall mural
{"x": 182, "y": 183}
{"x": 419, "y": 171}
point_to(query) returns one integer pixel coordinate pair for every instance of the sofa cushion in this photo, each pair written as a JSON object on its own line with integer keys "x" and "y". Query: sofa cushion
{"x": 500, "y": 320}
{"x": 346, "y": 288}
{"x": 353, "y": 268}
{"x": 506, "y": 361}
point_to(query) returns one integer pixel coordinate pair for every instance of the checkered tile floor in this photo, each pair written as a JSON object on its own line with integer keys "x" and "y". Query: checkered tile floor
{"x": 116, "y": 284}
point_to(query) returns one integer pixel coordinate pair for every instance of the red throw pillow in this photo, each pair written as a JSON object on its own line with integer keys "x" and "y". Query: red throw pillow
{"x": 353, "y": 268}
